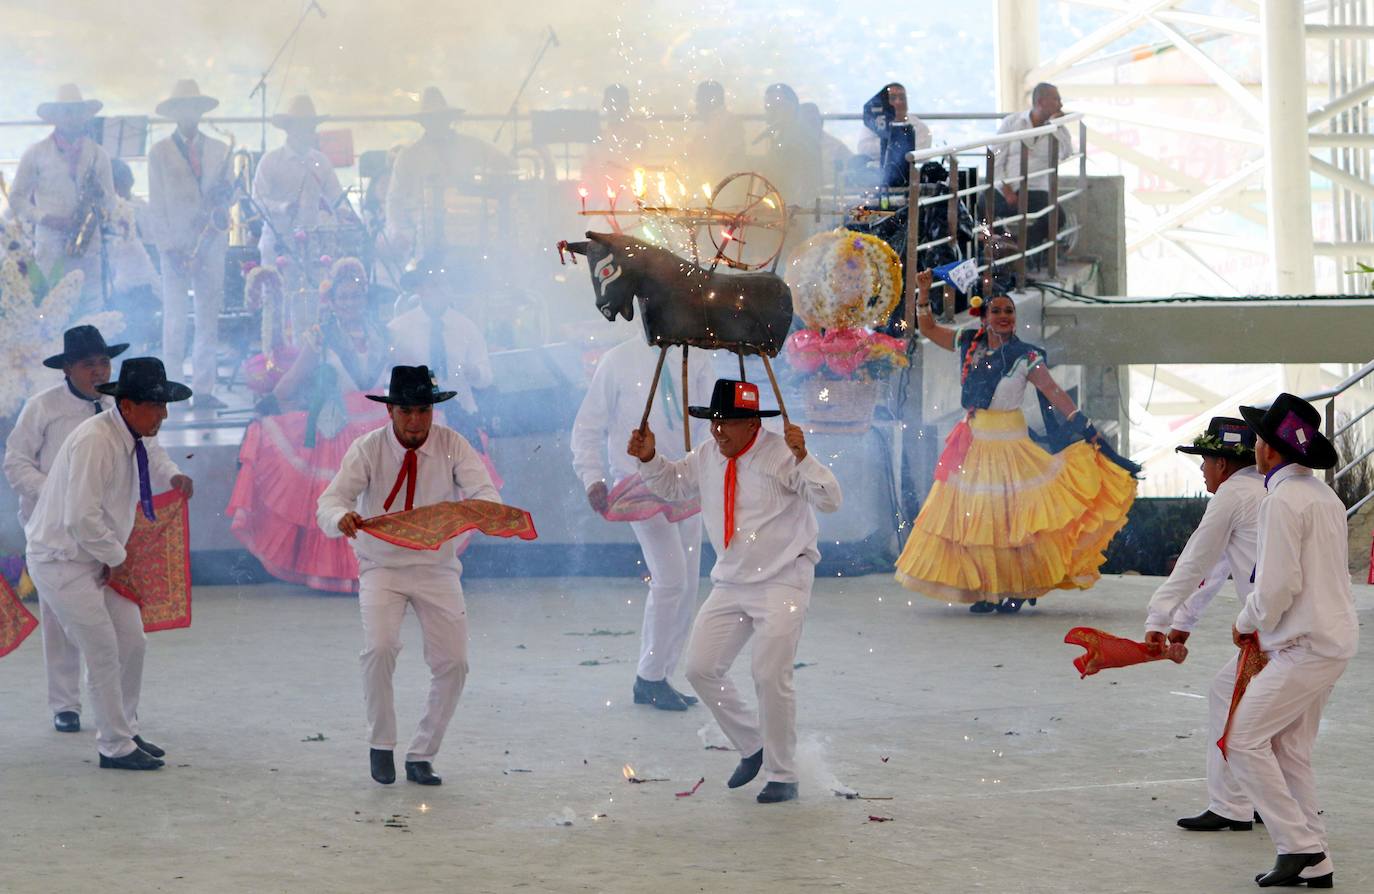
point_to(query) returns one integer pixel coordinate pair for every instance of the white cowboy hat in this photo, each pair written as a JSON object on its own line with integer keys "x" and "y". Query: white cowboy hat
{"x": 186, "y": 101}
{"x": 434, "y": 106}
{"x": 69, "y": 101}
{"x": 301, "y": 110}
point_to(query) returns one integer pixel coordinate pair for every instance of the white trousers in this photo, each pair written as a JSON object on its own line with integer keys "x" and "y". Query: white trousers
{"x": 1225, "y": 797}
{"x": 672, "y": 552}
{"x": 109, "y": 631}
{"x": 62, "y": 657}
{"x": 436, "y": 595}
{"x": 1270, "y": 745}
{"x": 775, "y": 611}
{"x": 206, "y": 278}
{"x": 50, "y": 247}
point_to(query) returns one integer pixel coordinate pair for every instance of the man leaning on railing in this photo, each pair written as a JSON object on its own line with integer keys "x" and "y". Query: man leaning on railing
{"x": 1045, "y": 105}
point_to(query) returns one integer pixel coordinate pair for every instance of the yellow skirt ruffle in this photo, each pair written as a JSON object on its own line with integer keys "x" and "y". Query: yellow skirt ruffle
{"x": 1014, "y": 522}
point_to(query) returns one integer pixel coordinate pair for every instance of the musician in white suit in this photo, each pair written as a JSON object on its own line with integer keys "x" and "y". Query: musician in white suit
{"x": 295, "y": 184}
{"x": 188, "y": 176}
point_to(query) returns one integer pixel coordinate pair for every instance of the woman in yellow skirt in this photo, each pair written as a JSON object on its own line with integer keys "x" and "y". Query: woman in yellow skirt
{"x": 1006, "y": 521}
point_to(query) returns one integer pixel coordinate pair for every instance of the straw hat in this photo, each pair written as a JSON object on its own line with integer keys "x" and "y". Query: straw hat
{"x": 433, "y": 107}
{"x": 301, "y": 110}
{"x": 69, "y": 103}
{"x": 186, "y": 101}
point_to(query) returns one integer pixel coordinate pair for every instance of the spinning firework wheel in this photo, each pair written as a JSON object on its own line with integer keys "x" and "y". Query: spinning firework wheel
{"x": 746, "y": 220}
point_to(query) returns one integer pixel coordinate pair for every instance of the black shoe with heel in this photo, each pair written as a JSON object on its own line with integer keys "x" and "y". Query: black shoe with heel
{"x": 1287, "y": 872}
{"x": 383, "y": 766}
{"x": 746, "y": 771}
{"x": 67, "y": 722}
{"x": 422, "y": 772}
{"x": 1207, "y": 821}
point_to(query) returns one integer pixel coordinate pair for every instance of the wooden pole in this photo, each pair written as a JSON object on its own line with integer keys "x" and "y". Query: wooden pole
{"x": 742, "y": 376}
{"x": 777, "y": 392}
{"x": 686, "y": 427}
{"x": 653, "y": 389}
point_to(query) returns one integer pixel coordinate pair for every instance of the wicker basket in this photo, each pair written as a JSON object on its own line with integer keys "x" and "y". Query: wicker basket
{"x": 840, "y": 405}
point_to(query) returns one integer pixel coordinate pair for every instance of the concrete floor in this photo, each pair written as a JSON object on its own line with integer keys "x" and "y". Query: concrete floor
{"x": 1006, "y": 773}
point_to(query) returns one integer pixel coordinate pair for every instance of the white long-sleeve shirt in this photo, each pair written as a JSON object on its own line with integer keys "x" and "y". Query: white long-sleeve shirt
{"x": 614, "y": 404}
{"x": 1302, "y": 596}
{"x": 176, "y": 195}
{"x": 45, "y": 423}
{"x": 774, "y": 500}
{"x": 287, "y": 178}
{"x": 447, "y": 468}
{"x": 1007, "y": 165}
{"x": 469, "y": 364}
{"x": 85, "y": 512}
{"x": 1225, "y": 542}
{"x": 43, "y": 184}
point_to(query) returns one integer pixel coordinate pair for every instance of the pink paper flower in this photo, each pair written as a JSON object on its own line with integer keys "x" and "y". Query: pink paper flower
{"x": 844, "y": 341}
{"x": 803, "y": 349}
{"x": 845, "y": 365}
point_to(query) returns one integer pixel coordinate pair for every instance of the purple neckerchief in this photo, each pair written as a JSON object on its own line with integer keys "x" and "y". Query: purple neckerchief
{"x": 1274, "y": 471}
{"x": 145, "y": 485}
{"x": 94, "y": 401}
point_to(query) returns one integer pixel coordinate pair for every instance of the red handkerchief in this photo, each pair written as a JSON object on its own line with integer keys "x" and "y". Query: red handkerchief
{"x": 157, "y": 573}
{"x": 430, "y": 527}
{"x": 1106, "y": 650}
{"x": 1250, "y": 662}
{"x": 631, "y": 501}
{"x": 16, "y": 621}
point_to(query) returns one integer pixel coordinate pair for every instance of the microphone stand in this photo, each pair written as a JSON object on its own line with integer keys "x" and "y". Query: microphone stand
{"x": 549, "y": 41}
{"x": 260, "y": 89}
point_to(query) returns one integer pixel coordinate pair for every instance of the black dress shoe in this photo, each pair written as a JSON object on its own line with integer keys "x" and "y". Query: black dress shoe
{"x": 689, "y": 700}
{"x": 67, "y": 722}
{"x": 134, "y": 760}
{"x": 422, "y": 772}
{"x": 383, "y": 766}
{"x": 1259, "y": 819}
{"x": 1287, "y": 872}
{"x": 775, "y": 792}
{"x": 1207, "y": 821}
{"x": 149, "y": 747}
{"x": 983, "y": 608}
{"x": 746, "y": 771}
{"x": 659, "y": 694}
{"x": 1009, "y": 606}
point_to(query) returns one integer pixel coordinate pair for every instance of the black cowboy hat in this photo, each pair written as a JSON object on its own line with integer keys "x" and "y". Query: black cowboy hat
{"x": 144, "y": 379}
{"x": 428, "y": 268}
{"x": 1226, "y": 437}
{"x": 1290, "y": 425}
{"x": 81, "y": 342}
{"x": 411, "y": 386}
{"x": 732, "y": 399}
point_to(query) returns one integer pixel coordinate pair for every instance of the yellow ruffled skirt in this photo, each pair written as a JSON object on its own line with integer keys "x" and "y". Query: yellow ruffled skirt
{"x": 1010, "y": 521}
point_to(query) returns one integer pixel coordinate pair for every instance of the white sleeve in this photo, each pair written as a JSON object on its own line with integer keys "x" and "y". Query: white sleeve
{"x": 341, "y": 496}
{"x": 22, "y": 188}
{"x": 812, "y": 480}
{"x": 1187, "y": 614}
{"x": 590, "y": 428}
{"x": 1205, "y": 548}
{"x": 476, "y": 367}
{"x": 672, "y": 481}
{"x": 471, "y": 476}
{"x": 83, "y": 513}
{"x": 1278, "y": 573}
{"x": 22, "y": 448}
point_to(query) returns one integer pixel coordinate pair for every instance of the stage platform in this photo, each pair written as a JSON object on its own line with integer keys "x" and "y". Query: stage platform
{"x": 1006, "y": 773}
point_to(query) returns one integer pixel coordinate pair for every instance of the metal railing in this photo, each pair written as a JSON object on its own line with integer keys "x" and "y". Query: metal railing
{"x": 1329, "y": 395}
{"x": 985, "y": 152}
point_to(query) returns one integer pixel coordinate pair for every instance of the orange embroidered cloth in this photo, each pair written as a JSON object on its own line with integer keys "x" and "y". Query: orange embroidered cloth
{"x": 1105, "y": 650}
{"x": 157, "y": 573}
{"x": 1250, "y": 662}
{"x": 631, "y": 500}
{"x": 16, "y": 621}
{"x": 430, "y": 527}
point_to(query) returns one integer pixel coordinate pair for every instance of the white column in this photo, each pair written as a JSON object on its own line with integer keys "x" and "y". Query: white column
{"x": 1016, "y": 46}
{"x": 1288, "y": 171}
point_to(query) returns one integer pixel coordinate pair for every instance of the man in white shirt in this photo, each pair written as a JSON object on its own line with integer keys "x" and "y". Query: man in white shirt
{"x": 188, "y": 179}
{"x": 295, "y": 184}
{"x": 1223, "y": 545}
{"x": 1046, "y": 105}
{"x": 439, "y": 173}
{"x": 59, "y": 179}
{"x": 102, "y": 475}
{"x": 436, "y": 335}
{"x": 613, "y": 405}
{"x": 43, "y": 426}
{"x": 758, "y": 491}
{"x": 1302, "y": 612}
{"x": 431, "y": 464}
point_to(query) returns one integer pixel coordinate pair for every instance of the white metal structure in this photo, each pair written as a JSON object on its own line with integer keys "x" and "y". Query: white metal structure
{"x": 1266, "y": 175}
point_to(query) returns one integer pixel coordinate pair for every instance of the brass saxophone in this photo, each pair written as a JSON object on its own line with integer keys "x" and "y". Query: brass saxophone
{"x": 88, "y": 217}
{"x": 215, "y": 212}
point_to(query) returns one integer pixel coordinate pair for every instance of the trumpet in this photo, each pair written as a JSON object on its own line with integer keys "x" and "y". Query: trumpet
{"x": 88, "y": 216}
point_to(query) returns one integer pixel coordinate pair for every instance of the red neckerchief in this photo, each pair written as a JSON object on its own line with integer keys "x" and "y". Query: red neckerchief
{"x": 409, "y": 470}
{"x": 190, "y": 150}
{"x": 731, "y": 484}
{"x": 70, "y": 150}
